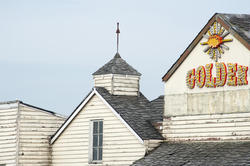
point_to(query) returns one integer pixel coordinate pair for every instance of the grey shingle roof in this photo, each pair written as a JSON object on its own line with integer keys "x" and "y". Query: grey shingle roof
{"x": 198, "y": 154}
{"x": 117, "y": 66}
{"x": 238, "y": 22}
{"x": 135, "y": 110}
{"x": 157, "y": 107}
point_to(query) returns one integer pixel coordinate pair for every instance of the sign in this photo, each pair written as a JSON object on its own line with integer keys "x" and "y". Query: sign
{"x": 231, "y": 74}
{"x": 215, "y": 41}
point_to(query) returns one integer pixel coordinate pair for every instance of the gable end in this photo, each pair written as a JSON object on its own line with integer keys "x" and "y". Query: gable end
{"x": 216, "y": 17}
{"x": 79, "y": 108}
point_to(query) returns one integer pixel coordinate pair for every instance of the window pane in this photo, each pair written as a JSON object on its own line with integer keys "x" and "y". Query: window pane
{"x": 100, "y": 126}
{"x": 94, "y": 153}
{"x": 95, "y": 127}
{"x": 95, "y": 140}
{"x": 100, "y": 140}
{"x": 100, "y": 153}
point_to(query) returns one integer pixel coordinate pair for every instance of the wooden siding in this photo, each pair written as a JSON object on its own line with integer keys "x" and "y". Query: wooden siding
{"x": 8, "y": 134}
{"x": 120, "y": 146}
{"x": 208, "y": 127}
{"x": 119, "y": 84}
{"x": 152, "y": 144}
{"x": 35, "y": 129}
{"x": 229, "y": 101}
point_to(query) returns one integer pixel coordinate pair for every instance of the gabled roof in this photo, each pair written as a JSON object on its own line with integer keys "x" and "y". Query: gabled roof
{"x": 136, "y": 112}
{"x": 237, "y": 24}
{"x": 240, "y": 23}
{"x": 198, "y": 154}
{"x": 133, "y": 111}
{"x": 117, "y": 66}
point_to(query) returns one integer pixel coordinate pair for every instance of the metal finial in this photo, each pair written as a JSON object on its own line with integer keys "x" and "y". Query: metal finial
{"x": 117, "y": 36}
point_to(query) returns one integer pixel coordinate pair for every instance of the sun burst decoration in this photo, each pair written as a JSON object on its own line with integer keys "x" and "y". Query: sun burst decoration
{"x": 215, "y": 41}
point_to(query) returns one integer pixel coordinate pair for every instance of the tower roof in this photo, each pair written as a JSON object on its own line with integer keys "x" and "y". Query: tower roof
{"x": 117, "y": 66}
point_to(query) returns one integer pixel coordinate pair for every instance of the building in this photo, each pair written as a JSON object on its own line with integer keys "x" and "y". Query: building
{"x": 25, "y": 132}
{"x": 202, "y": 119}
{"x": 113, "y": 125}
{"x": 207, "y": 99}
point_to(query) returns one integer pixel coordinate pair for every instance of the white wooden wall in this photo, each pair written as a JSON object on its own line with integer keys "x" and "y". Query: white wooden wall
{"x": 229, "y": 101}
{"x": 36, "y": 128}
{"x": 207, "y": 127}
{"x": 119, "y": 84}
{"x": 8, "y": 134}
{"x": 120, "y": 146}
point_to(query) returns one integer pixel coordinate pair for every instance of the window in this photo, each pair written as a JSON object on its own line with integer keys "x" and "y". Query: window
{"x": 97, "y": 140}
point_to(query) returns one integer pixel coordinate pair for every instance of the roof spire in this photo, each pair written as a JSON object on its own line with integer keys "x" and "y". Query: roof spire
{"x": 117, "y": 37}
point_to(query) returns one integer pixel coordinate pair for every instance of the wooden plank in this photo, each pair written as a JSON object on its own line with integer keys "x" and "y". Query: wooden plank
{"x": 213, "y": 134}
{"x": 212, "y": 116}
{"x": 207, "y": 121}
{"x": 126, "y": 89}
{"x": 125, "y": 93}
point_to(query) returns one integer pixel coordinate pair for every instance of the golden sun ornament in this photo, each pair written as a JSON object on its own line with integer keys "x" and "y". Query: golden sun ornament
{"x": 215, "y": 41}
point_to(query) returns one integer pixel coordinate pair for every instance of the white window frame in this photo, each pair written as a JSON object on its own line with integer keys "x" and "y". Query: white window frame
{"x": 91, "y": 134}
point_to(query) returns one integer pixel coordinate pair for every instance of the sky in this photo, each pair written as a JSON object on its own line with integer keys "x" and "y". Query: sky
{"x": 50, "y": 48}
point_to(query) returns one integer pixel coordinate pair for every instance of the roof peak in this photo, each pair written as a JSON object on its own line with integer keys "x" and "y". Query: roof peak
{"x": 117, "y": 65}
{"x": 117, "y": 55}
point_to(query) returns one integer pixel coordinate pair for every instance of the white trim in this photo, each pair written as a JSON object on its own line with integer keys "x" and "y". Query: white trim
{"x": 119, "y": 117}
{"x": 58, "y": 133}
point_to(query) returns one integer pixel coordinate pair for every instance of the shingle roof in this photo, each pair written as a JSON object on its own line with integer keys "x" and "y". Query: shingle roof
{"x": 117, "y": 66}
{"x": 157, "y": 107}
{"x": 240, "y": 23}
{"x": 198, "y": 154}
{"x": 135, "y": 110}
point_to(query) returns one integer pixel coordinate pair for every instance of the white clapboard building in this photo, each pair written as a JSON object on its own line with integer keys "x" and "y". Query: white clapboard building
{"x": 202, "y": 119}
{"x": 207, "y": 99}
{"x": 113, "y": 125}
{"x": 25, "y": 132}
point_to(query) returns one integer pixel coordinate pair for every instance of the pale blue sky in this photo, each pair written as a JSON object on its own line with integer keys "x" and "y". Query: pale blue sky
{"x": 50, "y": 48}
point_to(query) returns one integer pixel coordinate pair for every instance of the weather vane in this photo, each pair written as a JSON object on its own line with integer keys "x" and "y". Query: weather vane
{"x": 117, "y": 36}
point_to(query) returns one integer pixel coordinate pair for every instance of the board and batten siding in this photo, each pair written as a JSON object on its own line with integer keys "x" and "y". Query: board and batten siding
{"x": 8, "y": 133}
{"x": 120, "y": 146}
{"x": 228, "y": 126}
{"x": 118, "y": 84}
{"x": 35, "y": 130}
